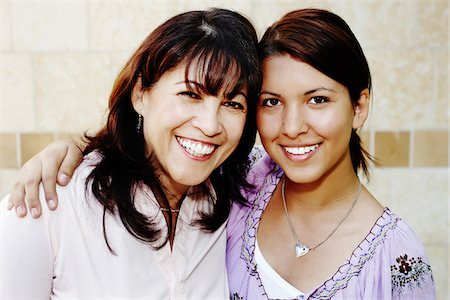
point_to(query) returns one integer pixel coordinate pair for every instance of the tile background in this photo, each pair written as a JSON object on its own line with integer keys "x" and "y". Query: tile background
{"x": 58, "y": 60}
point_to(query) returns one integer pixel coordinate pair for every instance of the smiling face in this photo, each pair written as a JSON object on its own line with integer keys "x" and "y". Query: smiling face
{"x": 305, "y": 119}
{"x": 190, "y": 132}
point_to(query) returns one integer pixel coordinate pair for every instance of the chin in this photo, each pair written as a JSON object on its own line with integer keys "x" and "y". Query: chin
{"x": 303, "y": 177}
{"x": 190, "y": 179}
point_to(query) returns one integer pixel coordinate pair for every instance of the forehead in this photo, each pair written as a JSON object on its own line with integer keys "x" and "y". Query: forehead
{"x": 283, "y": 73}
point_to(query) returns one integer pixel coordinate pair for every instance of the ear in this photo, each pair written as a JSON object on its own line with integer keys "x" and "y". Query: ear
{"x": 361, "y": 109}
{"x": 136, "y": 96}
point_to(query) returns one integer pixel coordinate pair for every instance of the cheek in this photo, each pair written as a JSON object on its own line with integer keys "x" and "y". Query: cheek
{"x": 237, "y": 129}
{"x": 267, "y": 125}
{"x": 332, "y": 125}
{"x": 233, "y": 125}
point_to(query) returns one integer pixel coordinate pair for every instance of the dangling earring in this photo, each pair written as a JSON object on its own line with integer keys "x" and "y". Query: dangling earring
{"x": 139, "y": 124}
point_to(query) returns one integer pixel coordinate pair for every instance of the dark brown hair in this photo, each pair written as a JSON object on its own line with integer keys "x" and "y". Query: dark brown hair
{"x": 324, "y": 41}
{"x": 221, "y": 45}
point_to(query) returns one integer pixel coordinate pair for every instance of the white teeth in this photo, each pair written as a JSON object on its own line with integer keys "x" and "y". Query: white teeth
{"x": 301, "y": 150}
{"x": 196, "y": 148}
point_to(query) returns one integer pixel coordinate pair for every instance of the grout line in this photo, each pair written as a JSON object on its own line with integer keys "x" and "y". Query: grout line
{"x": 18, "y": 150}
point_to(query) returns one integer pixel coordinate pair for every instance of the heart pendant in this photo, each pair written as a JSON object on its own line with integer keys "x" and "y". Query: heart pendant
{"x": 300, "y": 249}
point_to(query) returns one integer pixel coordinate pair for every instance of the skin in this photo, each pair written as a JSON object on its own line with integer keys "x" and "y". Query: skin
{"x": 214, "y": 122}
{"x": 301, "y": 110}
{"x": 196, "y": 137}
{"x": 305, "y": 120}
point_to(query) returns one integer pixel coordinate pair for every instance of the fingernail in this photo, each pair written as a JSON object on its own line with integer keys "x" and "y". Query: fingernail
{"x": 34, "y": 212}
{"x": 63, "y": 178}
{"x": 20, "y": 211}
{"x": 51, "y": 204}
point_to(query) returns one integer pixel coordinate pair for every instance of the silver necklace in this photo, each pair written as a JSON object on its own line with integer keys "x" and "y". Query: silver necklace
{"x": 300, "y": 248}
{"x": 172, "y": 210}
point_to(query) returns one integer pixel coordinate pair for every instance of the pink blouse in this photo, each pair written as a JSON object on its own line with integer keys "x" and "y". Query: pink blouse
{"x": 63, "y": 254}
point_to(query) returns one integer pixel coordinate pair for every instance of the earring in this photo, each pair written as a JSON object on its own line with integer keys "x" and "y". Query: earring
{"x": 139, "y": 124}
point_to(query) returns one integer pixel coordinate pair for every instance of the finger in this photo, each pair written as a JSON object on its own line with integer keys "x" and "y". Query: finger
{"x": 71, "y": 161}
{"x": 49, "y": 171}
{"x": 17, "y": 200}
{"x": 32, "y": 179}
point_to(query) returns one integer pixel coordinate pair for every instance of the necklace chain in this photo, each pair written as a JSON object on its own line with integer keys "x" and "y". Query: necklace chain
{"x": 172, "y": 210}
{"x": 300, "y": 248}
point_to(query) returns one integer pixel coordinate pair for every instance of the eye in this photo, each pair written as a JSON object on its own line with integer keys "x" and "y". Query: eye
{"x": 234, "y": 105}
{"x": 189, "y": 94}
{"x": 317, "y": 100}
{"x": 271, "y": 102}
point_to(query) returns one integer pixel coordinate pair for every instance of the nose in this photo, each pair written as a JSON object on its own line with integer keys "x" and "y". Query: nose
{"x": 207, "y": 118}
{"x": 295, "y": 121}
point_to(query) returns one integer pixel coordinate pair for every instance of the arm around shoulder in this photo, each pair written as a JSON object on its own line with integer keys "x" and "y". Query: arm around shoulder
{"x": 411, "y": 273}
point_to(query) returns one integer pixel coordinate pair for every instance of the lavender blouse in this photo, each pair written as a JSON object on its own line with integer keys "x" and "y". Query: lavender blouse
{"x": 390, "y": 263}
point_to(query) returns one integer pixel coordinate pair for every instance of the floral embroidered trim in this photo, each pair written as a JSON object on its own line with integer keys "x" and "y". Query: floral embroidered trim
{"x": 362, "y": 254}
{"x": 408, "y": 273}
{"x": 236, "y": 296}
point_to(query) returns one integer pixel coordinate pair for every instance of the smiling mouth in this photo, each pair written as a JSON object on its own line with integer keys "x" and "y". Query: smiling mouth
{"x": 301, "y": 150}
{"x": 196, "y": 148}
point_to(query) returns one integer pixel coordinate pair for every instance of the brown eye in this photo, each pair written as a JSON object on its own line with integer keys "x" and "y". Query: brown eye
{"x": 271, "y": 102}
{"x": 318, "y": 100}
{"x": 234, "y": 105}
{"x": 189, "y": 94}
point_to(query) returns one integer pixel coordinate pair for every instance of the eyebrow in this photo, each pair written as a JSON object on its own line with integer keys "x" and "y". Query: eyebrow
{"x": 319, "y": 89}
{"x": 270, "y": 93}
{"x": 193, "y": 83}
{"x": 306, "y": 93}
{"x": 203, "y": 89}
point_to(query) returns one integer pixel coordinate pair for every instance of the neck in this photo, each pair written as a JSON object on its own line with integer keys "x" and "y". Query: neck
{"x": 323, "y": 193}
{"x": 174, "y": 191}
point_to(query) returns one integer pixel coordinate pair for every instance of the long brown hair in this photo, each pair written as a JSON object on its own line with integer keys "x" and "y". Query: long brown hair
{"x": 222, "y": 44}
{"x": 323, "y": 40}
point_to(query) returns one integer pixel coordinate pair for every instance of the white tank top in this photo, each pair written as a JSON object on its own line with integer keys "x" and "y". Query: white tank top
{"x": 274, "y": 285}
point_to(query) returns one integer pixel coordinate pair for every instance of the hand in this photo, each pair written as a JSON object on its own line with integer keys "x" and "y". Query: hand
{"x": 54, "y": 164}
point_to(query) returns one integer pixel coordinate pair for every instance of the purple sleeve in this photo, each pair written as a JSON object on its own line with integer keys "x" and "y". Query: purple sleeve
{"x": 411, "y": 274}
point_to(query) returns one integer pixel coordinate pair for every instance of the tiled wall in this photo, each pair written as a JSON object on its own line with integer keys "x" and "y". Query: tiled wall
{"x": 58, "y": 61}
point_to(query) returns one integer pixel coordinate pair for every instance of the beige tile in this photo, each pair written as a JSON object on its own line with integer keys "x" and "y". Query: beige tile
{"x": 392, "y": 148}
{"x": 33, "y": 143}
{"x": 5, "y": 26}
{"x": 7, "y": 179}
{"x": 49, "y": 25}
{"x": 403, "y": 88}
{"x": 72, "y": 91}
{"x": 137, "y": 20}
{"x": 442, "y": 97}
{"x": 17, "y": 111}
{"x": 379, "y": 23}
{"x": 431, "y": 148}
{"x": 438, "y": 255}
{"x": 8, "y": 151}
{"x": 432, "y": 25}
{"x": 420, "y": 197}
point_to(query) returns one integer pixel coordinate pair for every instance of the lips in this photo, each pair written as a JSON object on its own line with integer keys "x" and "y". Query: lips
{"x": 196, "y": 148}
{"x": 301, "y": 150}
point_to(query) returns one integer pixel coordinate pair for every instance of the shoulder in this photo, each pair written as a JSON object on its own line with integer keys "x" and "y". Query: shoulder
{"x": 264, "y": 175}
{"x": 260, "y": 166}
{"x": 408, "y": 262}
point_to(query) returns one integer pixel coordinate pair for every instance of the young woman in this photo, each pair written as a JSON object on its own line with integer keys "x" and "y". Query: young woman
{"x": 144, "y": 215}
{"x": 310, "y": 230}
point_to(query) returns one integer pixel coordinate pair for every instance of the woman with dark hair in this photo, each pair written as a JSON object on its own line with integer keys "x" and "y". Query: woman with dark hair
{"x": 312, "y": 231}
{"x": 145, "y": 212}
